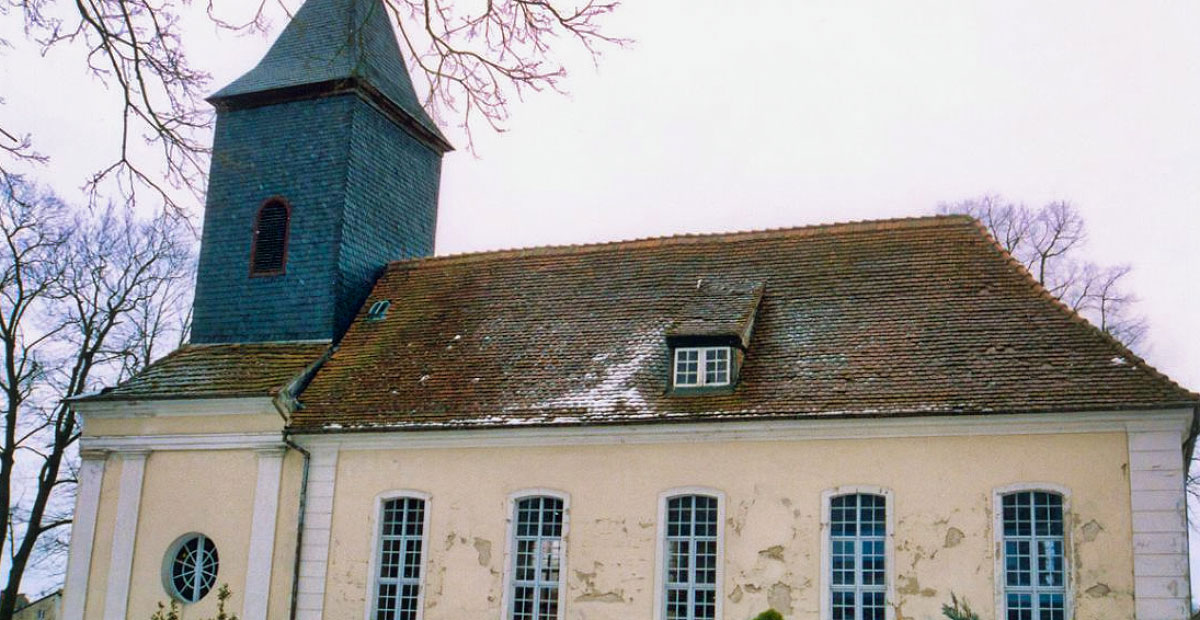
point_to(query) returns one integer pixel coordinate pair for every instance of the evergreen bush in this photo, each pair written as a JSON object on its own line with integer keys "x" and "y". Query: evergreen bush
{"x": 960, "y": 611}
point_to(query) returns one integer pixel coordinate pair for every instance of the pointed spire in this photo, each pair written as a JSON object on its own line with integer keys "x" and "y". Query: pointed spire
{"x": 334, "y": 43}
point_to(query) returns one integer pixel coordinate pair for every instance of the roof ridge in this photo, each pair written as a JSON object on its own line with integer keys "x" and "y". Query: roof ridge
{"x": 278, "y": 343}
{"x": 1074, "y": 316}
{"x": 850, "y": 226}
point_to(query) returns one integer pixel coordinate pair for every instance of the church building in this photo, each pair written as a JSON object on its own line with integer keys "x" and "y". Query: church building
{"x": 852, "y": 421}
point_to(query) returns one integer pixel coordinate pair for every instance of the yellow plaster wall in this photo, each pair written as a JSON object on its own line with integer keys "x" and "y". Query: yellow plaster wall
{"x": 210, "y": 492}
{"x": 183, "y": 425}
{"x": 943, "y": 521}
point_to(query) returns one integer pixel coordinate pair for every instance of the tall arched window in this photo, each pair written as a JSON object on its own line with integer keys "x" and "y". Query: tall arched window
{"x": 1030, "y": 525}
{"x": 690, "y": 554}
{"x": 400, "y": 542}
{"x": 537, "y": 553}
{"x": 856, "y": 554}
{"x": 268, "y": 254}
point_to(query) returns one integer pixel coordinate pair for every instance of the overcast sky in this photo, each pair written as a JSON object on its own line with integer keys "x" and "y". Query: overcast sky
{"x": 788, "y": 112}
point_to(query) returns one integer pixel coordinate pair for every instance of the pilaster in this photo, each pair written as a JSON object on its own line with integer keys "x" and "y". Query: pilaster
{"x": 262, "y": 533}
{"x": 83, "y": 532}
{"x": 133, "y": 468}
{"x": 1159, "y": 502}
{"x": 318, "y": 520}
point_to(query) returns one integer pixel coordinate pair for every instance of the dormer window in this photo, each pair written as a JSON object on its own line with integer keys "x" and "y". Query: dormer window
{"x": 702, "y": 366}
{"x": 268, "y": 252}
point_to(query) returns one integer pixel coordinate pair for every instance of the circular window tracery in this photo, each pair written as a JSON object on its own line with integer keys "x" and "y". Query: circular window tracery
{"x": 192, "y": 567}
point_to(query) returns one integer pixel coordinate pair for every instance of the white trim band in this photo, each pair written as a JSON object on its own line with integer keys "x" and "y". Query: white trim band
{"x": 83, "y": 534}
{"x": 174, "y": 407}
{"x": 116, "y": 599}
{"x": 1171, "y": 420}
{"x": 318, "y": 522}
{"x": 262, "y": 534}
{"x": 227, "y": 441}
{"x": 1158, "y": 499}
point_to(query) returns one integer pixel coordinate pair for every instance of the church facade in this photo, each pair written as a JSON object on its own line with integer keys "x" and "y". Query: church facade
{"x": 844, "y": 422}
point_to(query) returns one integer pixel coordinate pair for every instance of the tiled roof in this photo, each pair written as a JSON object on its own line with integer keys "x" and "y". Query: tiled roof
{"x": 331, "y": 40}
{"x": 900, "y": 317}
{"x": 220, "y": 371}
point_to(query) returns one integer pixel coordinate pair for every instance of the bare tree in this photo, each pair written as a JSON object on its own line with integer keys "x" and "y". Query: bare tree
{"x": 85, "y": 301}
{"x": 1048, "y": 241}
{"x": 471, "y": 59}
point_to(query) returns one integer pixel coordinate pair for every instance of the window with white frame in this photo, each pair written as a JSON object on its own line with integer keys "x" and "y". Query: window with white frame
{"x": 191, "y": 567}
{"x": 858, "y": 557}
{"x": 691, "y": 557}
{"x": 537, "y": 558}
{"x": 701, "y": 366}
{"x": 399, "y": 561}
{"x": 1034, "y": 571}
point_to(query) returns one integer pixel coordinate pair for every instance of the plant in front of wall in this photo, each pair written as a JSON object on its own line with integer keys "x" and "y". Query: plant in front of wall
{"x": 172, "y": 611}
{"x": 769, "y": 614}
{"x": 960, "y": 611}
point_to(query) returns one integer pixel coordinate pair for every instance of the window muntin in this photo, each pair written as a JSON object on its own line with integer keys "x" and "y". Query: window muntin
{"x": 537, "y": 558}
{"x": 268, "y": 254}
{"x": 701, "y": 366}
{"x": 1033, "y": 565}
{"x": 397, "y": 592}
{"x": 192, "y": 567}
{"x": 858, "y": 557}
{"x": 691, "y": 558}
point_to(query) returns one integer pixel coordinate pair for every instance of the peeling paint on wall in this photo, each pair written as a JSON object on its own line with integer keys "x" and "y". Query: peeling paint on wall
{"x": 779, "y": 598}
{"x": 943, "y": 541}
{"x": 1090, "y": 531}
{"x": 484, "y": 549}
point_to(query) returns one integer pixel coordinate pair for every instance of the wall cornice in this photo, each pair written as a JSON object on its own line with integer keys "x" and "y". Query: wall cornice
{"x": 141, "y": 443}
{"x": 168, "y": 407}
{"x": 1172, "y": 420}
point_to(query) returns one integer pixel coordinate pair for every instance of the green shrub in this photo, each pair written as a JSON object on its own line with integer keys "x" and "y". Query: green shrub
{"x": 960, "y": 611}
{"x": 769, "y": 614}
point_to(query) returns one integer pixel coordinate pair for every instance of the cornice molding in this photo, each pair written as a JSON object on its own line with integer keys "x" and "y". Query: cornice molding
{"x": 171, "y": 407}
{"x": 1173, "y": 420}
{"x": 144, "y": 443}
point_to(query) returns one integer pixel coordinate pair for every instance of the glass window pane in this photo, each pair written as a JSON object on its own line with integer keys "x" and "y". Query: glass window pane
{"x": 691, "y": 557}
{"x": 537, "y": 560}
{"x": 858, "y": 560}
{"x": 398, "y": 573}
{"x": 1034, "y": 567}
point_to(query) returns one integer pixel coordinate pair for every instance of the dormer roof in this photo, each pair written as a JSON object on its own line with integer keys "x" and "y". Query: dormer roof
{"x": 717, "y": 311}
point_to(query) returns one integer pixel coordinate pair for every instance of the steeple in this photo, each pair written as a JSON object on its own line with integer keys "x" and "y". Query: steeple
{"x": 332, "y": 45}
{"x": 324, "y": 169}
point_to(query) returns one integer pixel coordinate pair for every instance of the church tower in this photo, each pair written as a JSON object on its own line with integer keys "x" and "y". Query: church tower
{"x": 325, "y": 167}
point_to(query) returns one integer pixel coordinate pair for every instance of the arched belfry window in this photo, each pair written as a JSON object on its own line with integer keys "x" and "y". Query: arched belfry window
{"x": 268, "y": 254}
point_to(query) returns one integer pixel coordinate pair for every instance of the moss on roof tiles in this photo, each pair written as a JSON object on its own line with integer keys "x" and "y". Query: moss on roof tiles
{"x": 220, "y": 371}
{"x": 897, "y": 317}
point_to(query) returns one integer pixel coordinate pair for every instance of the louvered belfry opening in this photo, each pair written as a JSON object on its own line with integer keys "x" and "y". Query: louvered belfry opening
{"x": 269, "y": 254}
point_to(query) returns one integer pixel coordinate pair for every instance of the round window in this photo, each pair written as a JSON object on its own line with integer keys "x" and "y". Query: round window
{"x": 191, "y": 567}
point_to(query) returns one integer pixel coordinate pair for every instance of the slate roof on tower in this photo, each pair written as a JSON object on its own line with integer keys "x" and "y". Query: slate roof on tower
{"x": 924, "y": 316}
{"x": 330, "y": 41}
